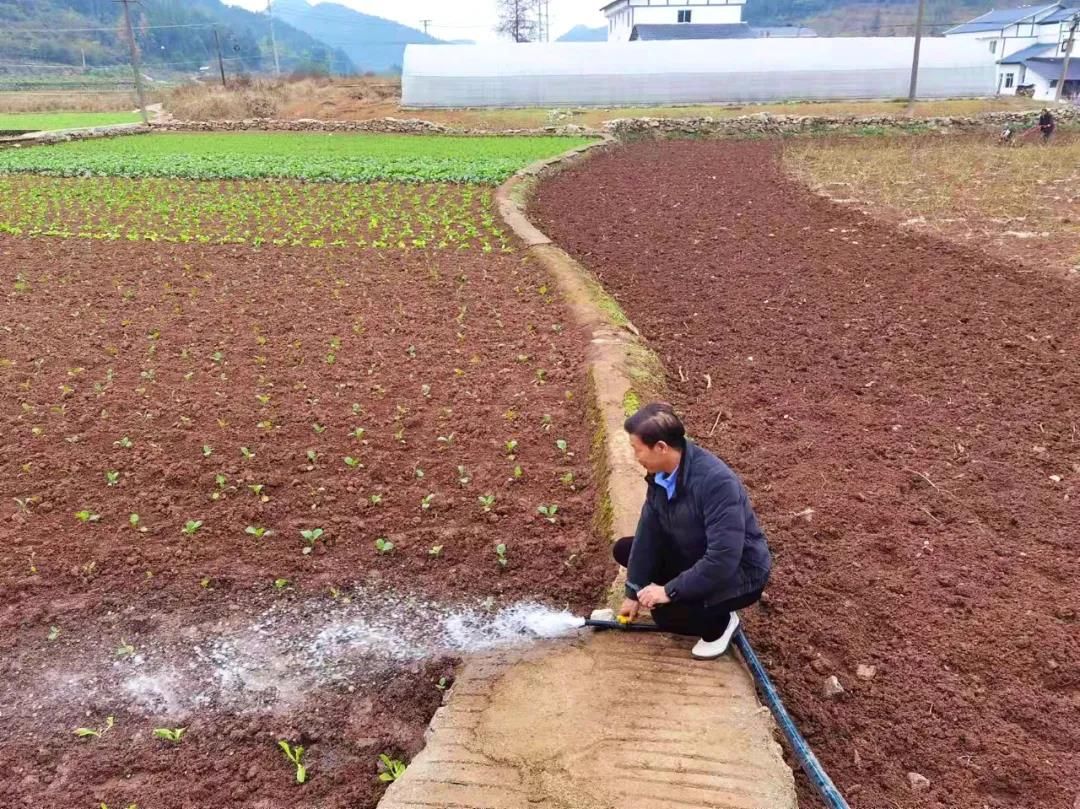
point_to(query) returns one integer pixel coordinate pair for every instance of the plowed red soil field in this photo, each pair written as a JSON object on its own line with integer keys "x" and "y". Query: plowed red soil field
{"x": 904, "y": 412}
{"x": 172, "y": 420}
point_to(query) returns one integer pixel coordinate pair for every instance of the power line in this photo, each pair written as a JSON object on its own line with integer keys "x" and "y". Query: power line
{"x": 111, "y": 28}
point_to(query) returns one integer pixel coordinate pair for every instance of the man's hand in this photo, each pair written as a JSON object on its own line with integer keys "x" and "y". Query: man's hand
{"x": 652, "y": 596}
{"x": 629, "y": 608}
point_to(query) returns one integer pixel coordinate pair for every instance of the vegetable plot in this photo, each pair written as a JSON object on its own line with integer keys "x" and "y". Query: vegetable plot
{"x": 280, "y": 214}
{"x": 307, "y": 156}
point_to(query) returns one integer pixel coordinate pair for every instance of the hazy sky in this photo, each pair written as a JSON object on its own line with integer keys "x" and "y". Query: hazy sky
{"x": 463, "y": 19}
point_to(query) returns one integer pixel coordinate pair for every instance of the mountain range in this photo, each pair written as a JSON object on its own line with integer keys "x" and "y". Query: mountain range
{"x": 173, "y": 35}
{"x": 331, "y": 37}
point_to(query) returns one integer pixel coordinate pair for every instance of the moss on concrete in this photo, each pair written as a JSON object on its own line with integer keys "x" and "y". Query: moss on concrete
{"x": 603, "y": 515}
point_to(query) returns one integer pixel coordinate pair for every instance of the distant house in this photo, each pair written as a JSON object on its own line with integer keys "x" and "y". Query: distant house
{"x": 1028, "y": 44}
{"x": 626, "y": 15}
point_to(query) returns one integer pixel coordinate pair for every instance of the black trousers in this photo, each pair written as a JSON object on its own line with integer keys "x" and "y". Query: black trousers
{"x": 686, "y": 617}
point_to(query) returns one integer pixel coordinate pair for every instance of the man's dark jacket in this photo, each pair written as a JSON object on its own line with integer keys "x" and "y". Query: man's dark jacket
{"x": 708, "y": 531}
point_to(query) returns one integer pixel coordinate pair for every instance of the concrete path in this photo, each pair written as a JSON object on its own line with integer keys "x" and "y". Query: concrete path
{"x": 614, "y": 720}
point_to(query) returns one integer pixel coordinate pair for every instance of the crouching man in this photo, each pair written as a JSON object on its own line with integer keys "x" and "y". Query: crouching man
{"x": 698, "y": 554}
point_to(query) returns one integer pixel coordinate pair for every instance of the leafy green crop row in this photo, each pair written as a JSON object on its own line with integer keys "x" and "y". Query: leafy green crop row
{"x": 297, "y": 155}
{"x": 379, "y": 215}
{"x": 64, "y": 120}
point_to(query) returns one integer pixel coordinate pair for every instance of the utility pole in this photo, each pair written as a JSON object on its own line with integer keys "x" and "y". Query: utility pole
{"x": 273, "y": 42}
{"x": 220, "y": 61}
{"x": 135, "y": 66}
{"x": 1068, "y": 55}
{"x": 915, "y": 57}
{"x": 425, "y": 23}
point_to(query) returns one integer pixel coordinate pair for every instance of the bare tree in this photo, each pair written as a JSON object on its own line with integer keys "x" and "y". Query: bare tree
{"x": 519, "y": 19}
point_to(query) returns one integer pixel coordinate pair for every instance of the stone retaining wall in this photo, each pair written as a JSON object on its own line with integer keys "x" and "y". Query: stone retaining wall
{"x": 407, "y": 126}
{"x": 766, "y": 123}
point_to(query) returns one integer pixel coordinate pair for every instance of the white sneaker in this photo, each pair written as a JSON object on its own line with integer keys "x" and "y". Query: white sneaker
{"x": 710, "y": 650}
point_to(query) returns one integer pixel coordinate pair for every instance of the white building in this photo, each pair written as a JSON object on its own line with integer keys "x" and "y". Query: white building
{"x": 1028, "y": 45}
{"x": 625, "y": 15}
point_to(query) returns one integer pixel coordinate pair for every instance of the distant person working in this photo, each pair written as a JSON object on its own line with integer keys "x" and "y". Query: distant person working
{"x": 698, "y": 553}
{"x": 1046, "y": 124}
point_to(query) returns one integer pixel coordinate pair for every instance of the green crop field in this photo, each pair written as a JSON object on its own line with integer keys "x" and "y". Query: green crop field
{"x": 254, "y": 212}
{"x": 64, "y": 120}
{"x": 303, "y": 156}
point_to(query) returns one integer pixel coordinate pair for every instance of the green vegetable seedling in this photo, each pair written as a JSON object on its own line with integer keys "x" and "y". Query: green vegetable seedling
{"x": 258, "y": 531}
{"x": 486, "y": 501}
{"x": 500, "y": 554}
{"x": 392, "y": 768}
{"x": 87, "y": 516}
{"x": 383, "y": 545}
{"x": 112, "y": 477}
{"x": 169, "y": 734}
{"x": 549, "y": 512}
{"x": 296, "y": 756}
{"x": 311, "y": 536}
{"x": 92, "y": 733}
{"x": 191, "y": 526}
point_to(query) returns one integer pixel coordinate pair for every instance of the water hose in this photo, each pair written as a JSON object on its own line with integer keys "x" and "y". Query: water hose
{"x": 807, "y": 760}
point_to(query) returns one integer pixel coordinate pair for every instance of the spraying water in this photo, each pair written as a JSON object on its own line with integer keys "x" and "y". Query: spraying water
{"x": 274, "y": 659}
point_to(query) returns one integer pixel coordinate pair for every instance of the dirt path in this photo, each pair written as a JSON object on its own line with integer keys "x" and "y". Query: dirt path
{"x": 905, "y": 415}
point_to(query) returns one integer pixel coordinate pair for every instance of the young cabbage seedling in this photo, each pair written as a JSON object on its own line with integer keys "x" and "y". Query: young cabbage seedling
{"x": 383, "y": 545}
{"x": 562, "y": 445}
{"x": 169, "y": 734}
{"x": 311, "y": 536}
{"x": 486, "y": 501}
{"x": 358, "y": 433}
{"x": 296, "y": 756}
{"x": 207, "y": 450}
{"x": 91, "y": 733}
{"x": 87, "y": 516}
{"x": 352, "y": 462}
{"x": 376, "y": 499}
{"x": 247, "y": 453}
{"x": 463, "y": 476}
{"x": 425, "y": 501}
{"x": 511, "y": 446}
{"x": 392, "y": 769}
{"x": 258, "y": 531}
{"x": 125, "y": 649}
{"x": 549, "y": 512}
{"x": 500, "y": 554}
{"x": 191, "y": 526}
{"x": 112, "y": 477}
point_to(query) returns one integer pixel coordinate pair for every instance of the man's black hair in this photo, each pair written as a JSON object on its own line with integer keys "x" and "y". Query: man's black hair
{"x": 655, "y": 422}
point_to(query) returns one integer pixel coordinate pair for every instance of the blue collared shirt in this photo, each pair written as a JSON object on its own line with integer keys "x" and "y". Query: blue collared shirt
{"x": 667, "y": 481}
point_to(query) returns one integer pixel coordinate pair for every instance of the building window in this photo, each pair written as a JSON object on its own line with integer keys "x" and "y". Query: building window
{"x": 1008, "y": 80}
{"x": 1053, "y": 84}
{"x": 993, "y": 46}
{"x": 1064, "y": 46}
{"x": 684, "y": 15}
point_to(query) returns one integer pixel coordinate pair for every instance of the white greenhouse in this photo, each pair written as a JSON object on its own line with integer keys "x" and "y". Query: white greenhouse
{"x": 690, "y": 72}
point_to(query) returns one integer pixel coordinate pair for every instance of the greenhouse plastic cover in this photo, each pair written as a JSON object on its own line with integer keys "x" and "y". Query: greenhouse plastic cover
{"x": 686, "y": 72}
